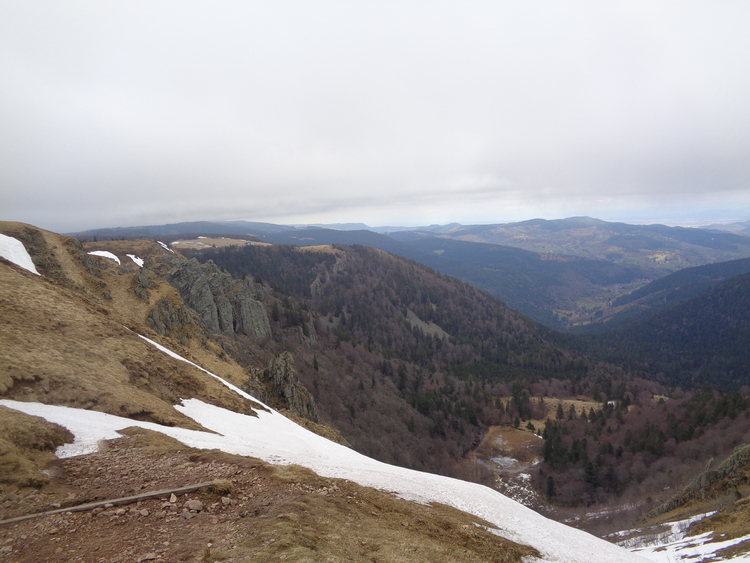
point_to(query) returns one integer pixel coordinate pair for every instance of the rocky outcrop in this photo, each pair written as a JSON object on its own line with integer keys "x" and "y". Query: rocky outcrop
{"x": 172, "y": 319}
{"x": 75, "y": 248}
{"x": 279, "y": 386}
{"x": 319, "y": 283}
{"x": 224, "y": 304}
{"x": 142, "y": 283}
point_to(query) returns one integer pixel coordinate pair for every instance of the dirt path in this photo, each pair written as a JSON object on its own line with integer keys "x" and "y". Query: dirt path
{"x": 148, "y": 529}
{"x": 272, "y": 513}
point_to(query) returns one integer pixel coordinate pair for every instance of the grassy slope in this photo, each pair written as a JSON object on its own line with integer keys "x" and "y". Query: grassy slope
{"x": 65, "y": 343}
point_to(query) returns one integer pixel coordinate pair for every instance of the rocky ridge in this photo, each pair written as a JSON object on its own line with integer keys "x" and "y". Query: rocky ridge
{"x": 224, "y": 304}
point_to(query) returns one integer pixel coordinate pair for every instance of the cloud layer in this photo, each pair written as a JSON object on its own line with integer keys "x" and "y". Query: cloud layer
{"x": 380, "y": 112}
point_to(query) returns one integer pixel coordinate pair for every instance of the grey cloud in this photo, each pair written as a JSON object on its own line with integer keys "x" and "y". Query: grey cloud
{"x": 377, "y": 112}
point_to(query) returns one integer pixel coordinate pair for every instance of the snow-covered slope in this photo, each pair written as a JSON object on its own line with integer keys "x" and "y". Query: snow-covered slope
{"x": 275, "y": 439}
{"x": 13, "y": 250}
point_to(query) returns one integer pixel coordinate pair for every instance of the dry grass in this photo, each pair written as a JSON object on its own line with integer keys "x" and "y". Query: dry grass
{"x": 580, "y": 406}
{"x": 59, "y": 348}
{"x": 732, "y": 521}
{"x": 152, "y": 443}
{"x": 504, "y": 440}
{"x": 27, "y": 445}
{"x": 221, "y": 487}
{"x": 320, "y": 429}
{"x": 342, "y": 521}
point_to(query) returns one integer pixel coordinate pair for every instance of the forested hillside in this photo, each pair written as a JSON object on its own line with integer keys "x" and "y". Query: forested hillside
{"x": 555, "y": 290}
{"x": 640, "y": 445}
{"x": 406, "y": 311}
{"x": 701, "y": 341}
{"x": 437, "y": 356}
{"x": 403, "y": 355}
{"x": 666, "y": 292}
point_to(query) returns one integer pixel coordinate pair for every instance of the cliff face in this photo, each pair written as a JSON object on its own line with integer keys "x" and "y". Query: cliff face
{"x": 221, "y": 302}
{"x": 279, "y": 386}
{"x": 171, "y": 318}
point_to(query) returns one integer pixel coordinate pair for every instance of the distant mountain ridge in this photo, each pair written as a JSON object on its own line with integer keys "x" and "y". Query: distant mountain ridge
{"x": 669, "y": 248}
{"x": 704, "y": 340}
{"x": 666, "y": 292}
{"x": 738, "y": 227}
{"x": 562, "y": 273}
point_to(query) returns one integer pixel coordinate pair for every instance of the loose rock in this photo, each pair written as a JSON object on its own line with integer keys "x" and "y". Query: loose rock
{"x": 194, "y": 504}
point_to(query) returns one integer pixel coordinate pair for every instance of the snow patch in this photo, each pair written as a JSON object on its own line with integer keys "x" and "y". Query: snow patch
{"x": 135, "y": 259}
{"x": 14, "y": 251}
{"x": 105, "y": 254}
{"x": 674, "y": 532}
{"x": 694, "y": 548}
{"x": 670, "y": 544}
{"x": 165, "y": 247}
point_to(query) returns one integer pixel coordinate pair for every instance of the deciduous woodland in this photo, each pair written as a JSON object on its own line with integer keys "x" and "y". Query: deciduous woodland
{"x": 412, "y": 365}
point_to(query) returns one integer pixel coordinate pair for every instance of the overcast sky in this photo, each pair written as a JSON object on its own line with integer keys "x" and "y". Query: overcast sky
{"x": 384, "y": 112}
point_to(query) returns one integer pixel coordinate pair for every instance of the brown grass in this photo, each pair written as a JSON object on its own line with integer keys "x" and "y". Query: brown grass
{"x": 27, "y": 445}
{"x": 152, "y": 443}
{"x": 60, "y": 348}
{"x": 320, "y": 429}
{"x": 580, "y": 405}
{"x": 731, "y": 521}
{"x": 342, "y": 521}
{"x": 504, "y": 440}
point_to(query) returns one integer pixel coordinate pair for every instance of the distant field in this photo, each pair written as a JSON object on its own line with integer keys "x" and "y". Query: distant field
{"x": 205, "y": 242}
{"x": 324, "y": 248}
{"x": 580, "y": 406}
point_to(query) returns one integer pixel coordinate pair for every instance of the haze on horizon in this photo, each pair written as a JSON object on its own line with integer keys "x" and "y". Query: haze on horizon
{"x": 385, "y": 113}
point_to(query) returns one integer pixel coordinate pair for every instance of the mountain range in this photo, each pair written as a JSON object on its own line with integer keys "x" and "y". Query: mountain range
{"x": 405, "y": 364}
{"x": 78, "y": 354}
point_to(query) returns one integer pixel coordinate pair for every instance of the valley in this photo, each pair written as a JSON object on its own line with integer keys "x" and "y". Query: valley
{"x": 403, "y": 364}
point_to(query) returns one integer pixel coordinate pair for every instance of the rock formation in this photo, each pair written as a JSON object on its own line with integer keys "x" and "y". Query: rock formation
{"x": 279, "y": 386}
{"x": 172, "y": 319}
{"x": 224, "y": 304}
